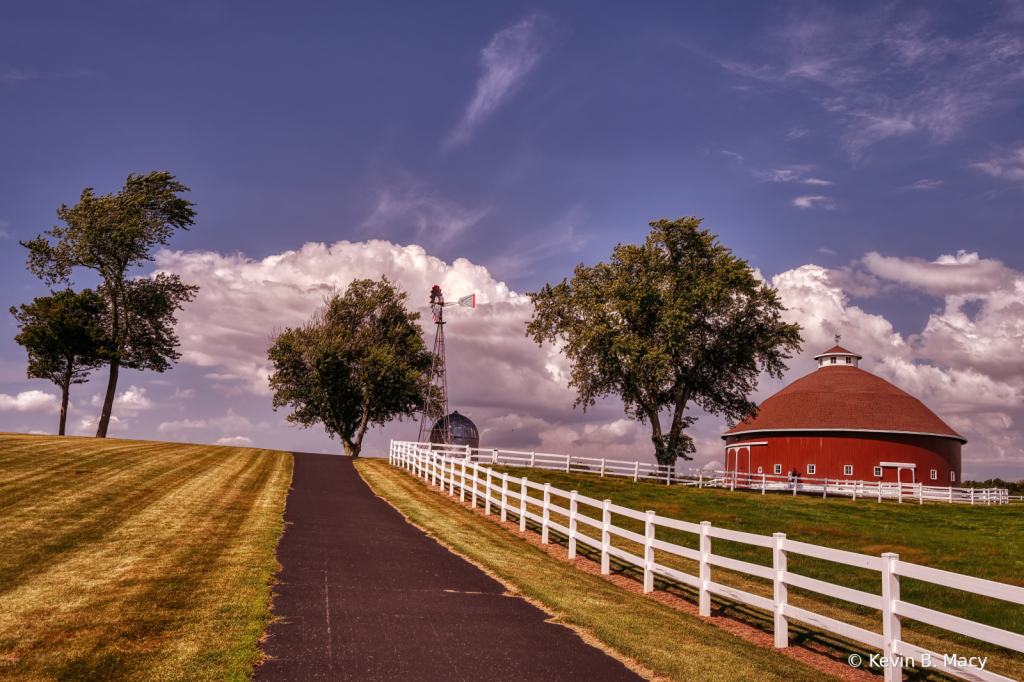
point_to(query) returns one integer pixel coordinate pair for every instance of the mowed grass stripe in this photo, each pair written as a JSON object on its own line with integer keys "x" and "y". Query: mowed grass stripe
{"x": 670, "y": 643}
{"x": 157, "y": 567}
{"x": 54, "y": 520}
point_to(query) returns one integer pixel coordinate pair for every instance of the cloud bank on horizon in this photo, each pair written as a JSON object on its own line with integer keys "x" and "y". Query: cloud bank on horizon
{"x": 965, "y": 364}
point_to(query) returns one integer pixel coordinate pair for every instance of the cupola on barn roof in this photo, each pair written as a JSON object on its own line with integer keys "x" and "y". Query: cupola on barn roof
{"x": 838, "y": 397}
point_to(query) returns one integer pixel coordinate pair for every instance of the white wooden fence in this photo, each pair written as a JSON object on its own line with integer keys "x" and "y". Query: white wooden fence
{"x": 705, "y": 478}
{"x": 509, "y": 494}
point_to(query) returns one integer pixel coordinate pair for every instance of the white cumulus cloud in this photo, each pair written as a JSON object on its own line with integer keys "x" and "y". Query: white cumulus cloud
{"x": 237, "y": 441}
{"x": 30, "y": 401}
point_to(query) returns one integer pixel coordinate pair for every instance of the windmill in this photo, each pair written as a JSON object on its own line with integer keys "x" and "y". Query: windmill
{"x": 435, "y": 397}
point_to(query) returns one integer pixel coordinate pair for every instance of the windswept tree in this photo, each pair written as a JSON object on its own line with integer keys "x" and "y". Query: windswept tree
{"x": 110, "y": 235}
{"x": 675, "y": 321}
{"x": 359, "y": 361}
{"x": 64, "y": 339}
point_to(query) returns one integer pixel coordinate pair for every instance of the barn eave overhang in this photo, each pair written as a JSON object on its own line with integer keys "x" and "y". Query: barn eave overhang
{"x": 756, "y": 432}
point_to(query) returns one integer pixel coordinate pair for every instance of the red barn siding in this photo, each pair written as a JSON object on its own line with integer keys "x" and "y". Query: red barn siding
{"x": 830, "y": 451}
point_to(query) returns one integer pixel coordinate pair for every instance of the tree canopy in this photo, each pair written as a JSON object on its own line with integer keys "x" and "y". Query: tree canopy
{"x": 359, "y": 361}
{"x": 110, "y": 235}
{"x": 675, "y": 321}
{"x": 64, "y": 339}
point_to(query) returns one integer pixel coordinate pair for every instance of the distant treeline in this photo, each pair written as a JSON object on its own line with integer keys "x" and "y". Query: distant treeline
{"x": 1015, "y": 488}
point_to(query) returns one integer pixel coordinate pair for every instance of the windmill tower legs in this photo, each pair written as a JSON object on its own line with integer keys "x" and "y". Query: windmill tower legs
{"x": 435, "y": 399}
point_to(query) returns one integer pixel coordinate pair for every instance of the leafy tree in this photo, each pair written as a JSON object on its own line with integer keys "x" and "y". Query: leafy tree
{"x": 676, "y": 320}
{"x": 64, "y": 339}
{"x": 359, "y": 361}
{"x": 111, "y": 234}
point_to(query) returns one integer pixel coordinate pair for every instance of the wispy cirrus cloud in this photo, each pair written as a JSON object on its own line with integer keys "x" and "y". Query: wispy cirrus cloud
{"x": 892, "y": 71}
{"x": 506, "y": 62}
{"x": 1008, "y": 165}
{"x": 814, "y": 202}
{"x": 11, "y": 76}
{"x": 405, "y": 202}
{"x": 789, "y": 174}
{"x": 925, "y": 184}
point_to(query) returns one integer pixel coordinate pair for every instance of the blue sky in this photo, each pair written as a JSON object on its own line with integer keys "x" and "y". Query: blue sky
{"x": 528, "y": 138}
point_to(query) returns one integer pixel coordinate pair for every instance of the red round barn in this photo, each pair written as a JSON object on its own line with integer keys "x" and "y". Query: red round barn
{"x": 841, "y": 422}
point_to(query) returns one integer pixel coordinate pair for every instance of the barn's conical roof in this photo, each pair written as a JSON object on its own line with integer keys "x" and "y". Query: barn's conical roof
{"x": 844, "y": 398}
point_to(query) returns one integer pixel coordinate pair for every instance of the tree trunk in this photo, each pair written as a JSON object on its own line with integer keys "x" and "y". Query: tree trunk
{"x": 108, "y": 401}
{"x": 353, "y": 448}
{"x": 65, "y": 389}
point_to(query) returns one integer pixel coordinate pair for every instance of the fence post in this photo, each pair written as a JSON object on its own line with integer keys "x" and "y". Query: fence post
{"x": 476, "y": 476}
{"x": 649, "y": 553}
{"x": 533, "y": 459}
{"x": 494, "y": 456}
{"x": 487, "y": 493}
{"x": 573, "y": 507}
{"x": 547, "y": 514}
{"x": 700, "y": 478}
{"x": 705, "y": 569}
{"x": 988, "y": 496}
{"x": 567, "y": 458}
{"x": 762, "y": 484}
{"x": 522, "y": 506}
{"x": 606, "y": 537}
{"x": 602, "y": 467}
{"x": 451, "y": 478}
{"x": 781, "y": 592}
{"x": 972, "y": 496}
{"x": 462, "y": 489}
{"x": 636, "y": 472}
{"x": 879, "y": 491}
{"x": 920, "y": 493}
{"x": 891, "y": 626}
{"x": 824, "y": 492}
{"x": 794, "y": 485}
{"x": 504, "y": 496}
{"x": 900, "y": 484}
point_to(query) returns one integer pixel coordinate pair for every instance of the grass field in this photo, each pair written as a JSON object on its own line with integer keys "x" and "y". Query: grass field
{"x": 985, "y": 542}
{"x": 134, "y": 560}
{"x": 675, "y": 645}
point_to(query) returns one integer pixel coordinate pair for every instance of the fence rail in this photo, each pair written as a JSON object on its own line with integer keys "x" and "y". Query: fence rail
{"x": 705, "y": 478}
{"x": 466, "y": 475}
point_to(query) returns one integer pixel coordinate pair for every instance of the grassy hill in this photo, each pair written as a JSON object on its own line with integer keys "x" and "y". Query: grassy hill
{"x": 135, "y": 560}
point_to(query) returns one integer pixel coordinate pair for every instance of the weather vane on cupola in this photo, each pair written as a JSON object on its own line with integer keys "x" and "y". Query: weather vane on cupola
{"x": 837, "y": 339}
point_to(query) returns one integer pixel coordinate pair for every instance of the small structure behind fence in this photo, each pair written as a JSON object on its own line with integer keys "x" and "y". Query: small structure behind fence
{"x": 467, "y": 475}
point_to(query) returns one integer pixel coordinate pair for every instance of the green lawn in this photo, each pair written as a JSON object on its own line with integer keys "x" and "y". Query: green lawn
{"x": 981, "y": 541}
{"x": 675, "y": 646}
{"x": 134, "y": 560}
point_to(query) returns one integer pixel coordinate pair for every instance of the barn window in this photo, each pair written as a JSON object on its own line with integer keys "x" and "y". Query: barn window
{"x": 811, "y": 469}
{"x": 878, "y": 471}
{"x": 935, "y": 475}
{"x": 778, "y": 468}
{"x": 833, "y": 359}
{"x": 849, "y": 359}
{"x": 952, "y": 475}
{"x": 847, "y": 470}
